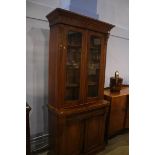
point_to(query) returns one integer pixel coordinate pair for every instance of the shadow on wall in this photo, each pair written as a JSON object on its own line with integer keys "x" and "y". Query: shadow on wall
{"x": 85, "y": 7}
{"x": 37, "y": 80}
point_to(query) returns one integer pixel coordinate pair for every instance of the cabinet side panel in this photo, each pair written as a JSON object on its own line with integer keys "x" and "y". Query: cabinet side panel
{"x": 53, "y": 140}
{"x": 126, "y": 121}
{"x": 53, "y": 56}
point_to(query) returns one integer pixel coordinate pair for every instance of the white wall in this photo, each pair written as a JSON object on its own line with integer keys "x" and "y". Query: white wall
{"x": 37, "y": 73}
{"x": 37, "y": 39}
{"x": 116, "y": 12}
{"x": 112, "y": 11}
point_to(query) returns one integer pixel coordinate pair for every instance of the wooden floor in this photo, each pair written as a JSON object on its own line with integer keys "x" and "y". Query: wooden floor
{"x": 118, "y": 145}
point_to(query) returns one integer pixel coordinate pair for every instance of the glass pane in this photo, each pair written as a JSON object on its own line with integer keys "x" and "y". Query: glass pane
{"x": 73, "y": 65}
{"x": 94, "y": 54}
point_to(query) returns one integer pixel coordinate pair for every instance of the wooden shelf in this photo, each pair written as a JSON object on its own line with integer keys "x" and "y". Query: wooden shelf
{"x": 74, "y": 46}
{"x": 70, "y": 66}
{"x": 93, "y": 68}
{"x": 92, "y": 84}
{"x": 72, "y": 85}
{"x": 95, "y": 48}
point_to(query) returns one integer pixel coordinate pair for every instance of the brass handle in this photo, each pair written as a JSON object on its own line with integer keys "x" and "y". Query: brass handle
{"x": 116, "y": 74}
{"x": 64, "y": 47}
{"x": 116, "y": 77}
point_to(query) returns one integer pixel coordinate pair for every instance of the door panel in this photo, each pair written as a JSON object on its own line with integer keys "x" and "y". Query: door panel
{"x": 94, "y": 56}
{"x": 117, "y": 114}
{"x": 74, "y": 47}
{"x": 94, "y": 132}
{"x": 74, "y": 40}
{"x": 73, "y": 137}
{"x": 95, "y": 68}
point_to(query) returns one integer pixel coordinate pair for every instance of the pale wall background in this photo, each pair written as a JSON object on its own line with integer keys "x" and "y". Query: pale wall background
{"x": 37, "y": 31}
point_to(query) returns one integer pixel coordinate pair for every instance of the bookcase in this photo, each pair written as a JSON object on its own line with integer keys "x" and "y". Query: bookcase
{"x": 77, "y": 58}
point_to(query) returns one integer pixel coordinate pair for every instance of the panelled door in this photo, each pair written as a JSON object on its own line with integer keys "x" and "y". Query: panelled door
{"x": 73, "y": 134}
{"x": 73, "y": 60}
{"x": 94, "y": 132}
{"x": 95, "y": 68}
{"x": 82, "y": 134}
{"x": 117, "y": 114}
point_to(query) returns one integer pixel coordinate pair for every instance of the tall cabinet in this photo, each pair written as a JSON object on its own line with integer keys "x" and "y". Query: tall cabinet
{"x": 77, "y": 57}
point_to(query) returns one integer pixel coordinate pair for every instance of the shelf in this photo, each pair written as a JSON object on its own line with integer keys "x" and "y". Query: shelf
{"x": 72, "y": 85}
{"x": 94, "y": 68}
{"x": 74, "y": 46}
{"x": 95, "y": 52}
{"x": 95, "y": 48}
{"x": 92, "y": 84}
{"x": 71, "y": 66}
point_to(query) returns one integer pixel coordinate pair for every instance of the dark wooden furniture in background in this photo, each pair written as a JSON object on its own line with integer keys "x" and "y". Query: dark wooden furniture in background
{"x": 119, "y": 110}
{"x": 77, "y": 57}
{"x": 28, "y": 146}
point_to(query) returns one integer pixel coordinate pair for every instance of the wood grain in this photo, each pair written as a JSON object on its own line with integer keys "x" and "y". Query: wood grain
{"x": 119, "y": 110}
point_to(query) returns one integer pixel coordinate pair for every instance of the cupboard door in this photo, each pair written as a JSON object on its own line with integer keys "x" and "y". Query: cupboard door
{"x": 94, "y": 132}
{"x": 95, "y": 65}
{"x": 73, "y": 137}
{"x": 117, "y": 114}
{"x": 73, "y": 62}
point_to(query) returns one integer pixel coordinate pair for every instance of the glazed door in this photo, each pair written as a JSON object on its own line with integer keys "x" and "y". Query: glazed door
{"x": 74, "y": 40}
{"x": 96, "y": 54}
